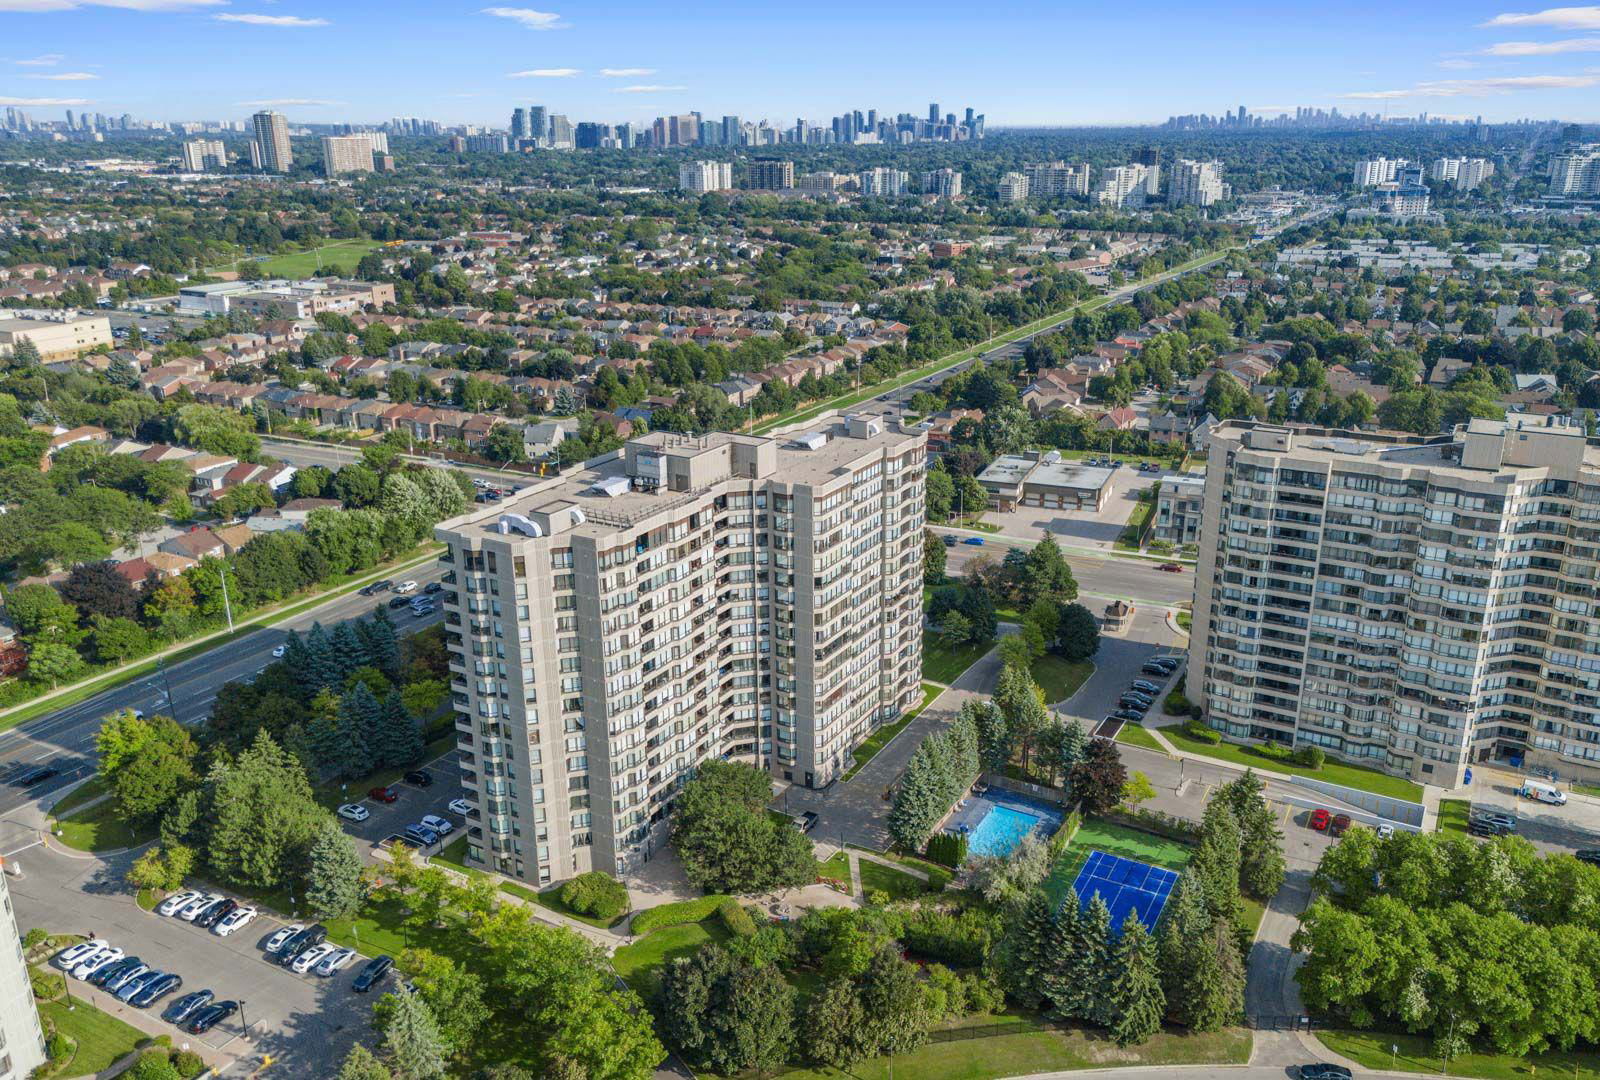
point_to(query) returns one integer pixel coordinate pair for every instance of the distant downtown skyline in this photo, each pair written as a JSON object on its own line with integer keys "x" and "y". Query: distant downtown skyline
{"x": 363, "y": 62}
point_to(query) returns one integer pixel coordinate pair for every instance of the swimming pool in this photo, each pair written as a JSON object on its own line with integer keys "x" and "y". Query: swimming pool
{"x": 1002, "y": 829}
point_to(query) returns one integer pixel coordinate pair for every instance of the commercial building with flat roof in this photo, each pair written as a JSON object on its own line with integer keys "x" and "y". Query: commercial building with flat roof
{"x": 1045, "y": 479}
{"x": 1414, "y": 604}
{"x": 681, "y": 599}
{"x": 61, "y": 340}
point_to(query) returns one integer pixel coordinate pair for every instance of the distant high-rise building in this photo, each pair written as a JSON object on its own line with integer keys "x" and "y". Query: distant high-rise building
{"x": 942, "y": 183}
{"x": 271, "y": 150}
{"x": 1057, "y": 179}
{"x": 1464, "y": 174}
{"x": 1123, "y": 186}
{"x": 683, "y": 130}
{"x": 200, "y": 155}
{"x": 699, "y": 177}
{"x": 933, "y": 113}
{"x": 560, "y": 132}
{"x": 1195, "y": 183}
{"x": 732, "y": 131}
{"x": 1576, "y": 171}
{"x": 538, "y": 124}
{"x": 770, "y": 174}
{"x": 883, "y": 181}
{"x": 487, "y": 144}
{"x": 1377, "y": 171}
{"x": 22, "y": 1045}
{"x": 1013, "y": 187}
{"x": 519, "y": 124}
{"x": 346, "y": 154}
{"x": 589, "y": 135}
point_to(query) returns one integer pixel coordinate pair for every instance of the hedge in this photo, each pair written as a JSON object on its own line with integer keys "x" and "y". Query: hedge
{"x": 948, "y": 849}
{"x": 1196, "y": 730}
{"x": 678, "y": 914}
{"x": 1158, "y": 822}
{"x": 1064, "y": 833}
{"x": 736, "y": 918}
{"x": 596, "y": 894}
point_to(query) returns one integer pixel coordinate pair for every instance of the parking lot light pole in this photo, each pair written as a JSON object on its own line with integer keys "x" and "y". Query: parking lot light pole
{"x": 242, "y": 1021}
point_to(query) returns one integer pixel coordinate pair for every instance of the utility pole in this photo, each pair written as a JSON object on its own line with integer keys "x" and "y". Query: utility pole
{"x": 222, "y": 572}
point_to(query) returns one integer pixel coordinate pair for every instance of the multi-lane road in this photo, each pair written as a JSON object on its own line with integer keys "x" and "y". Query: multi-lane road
{"x": 66, "y": 737}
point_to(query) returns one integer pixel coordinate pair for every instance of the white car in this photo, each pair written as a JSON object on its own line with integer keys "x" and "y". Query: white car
{"x": 1385, "y": 831}
{"x": 193, "y": 908}
{"x": 460, "y": 806}
{"x": 335, "y": 960}
{"x": 73, "y": 955}
{"x": 312, "y": 957}
{"x": 406, "y": 587}
{"x": 351, "y": 811}
{"x": 103, "y": 958}
{"x": 277, "y": 654}
{"x": 440, "y": 825}
{"x": 178, "y": 901}
{"x": 235, "y": 919}
{"x": 275, "y": 942}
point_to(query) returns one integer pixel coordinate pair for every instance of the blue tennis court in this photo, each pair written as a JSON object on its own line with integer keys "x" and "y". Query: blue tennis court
{"x": 1126, "y": 886}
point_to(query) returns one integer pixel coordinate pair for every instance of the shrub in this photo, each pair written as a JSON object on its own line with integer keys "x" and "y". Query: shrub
{"x": 1310, "y": 756}
{"x": 948, "y": 849}
{"x": 736, "y": 918}
{"x": 1273, "y": 751}
{"x": 1196, "y": 730}
{"x": 188, "y": 1063}
{"x": 679, "y": 914}
{"x": 983, "y": 995}
{"x": 35, "y": 937}
{"x": 57, "y": 1046}
{"x": 879, "y": 898}
{"x": 961, "y": 940}
{"x": 1175, "y": 704}
{"x": 153, "y": 1065}
{"x": 596, "y": 894}
{"x": 47, "y": 985}
{"x": 1064, "y": 833}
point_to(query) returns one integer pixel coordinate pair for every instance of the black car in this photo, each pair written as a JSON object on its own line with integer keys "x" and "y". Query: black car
{"x": 1135, "y": 701}
{"x": 377, "y": 587}
{"x": 1153, "y": 668}
{"x": 433, "y": 587}
{"x": 38, "y": 774}
{"x": 949, "y": 541}
{"x": 111, "y": 971}
{"x": 1484, "y": 827}
{"x": 215, "y": 913}
{"x": 305, "y": 939}
{"x": 1128, "y": 715}
{"x": 399, "y": 602}
{"x": 419, "y": 778}
{"x": 154, "y": 990}
{"x": 1588, "y": 855}
{"x": 372, "y": 973}
{"x": 210, "y": 1016}
{"x": 1324, "y": 1071}
{"x": 187, "y": 1006}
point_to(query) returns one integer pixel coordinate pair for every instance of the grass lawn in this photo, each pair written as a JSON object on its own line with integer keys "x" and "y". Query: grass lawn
{"x": 837, "y": 867}
{"x": 1371, "y": 1049}
{"x": 1186, "y": 620}
{"x": 875, "y": 877}
{"x": 1136, "y": 735}
{"x": 1028, "y": 1051}
{"x": 333, "y": 793}
{"x": 1453, "y": 815}
{"x": 343, "y": 254}
{"x": 1133, "y": 531}
{"x": 938, "y": 876}
{"x": 943, "y": 664}
{"x": 99, "y": 829}
{"x": 1060, "y": 678}
{"x": 1254, "y": 911}
{"x": 640, "y": 964}
{"x": 455, "y": 854}
{"x": 879, "y": 739}
{"x": 1097, "y": 835}
{"x": 1333, "y": 772}
{"x": 379, "y": 928}
{"x": 89, "y": 790}
{"x": 102, "y": 1039}
{"x": 1587, "y": 789}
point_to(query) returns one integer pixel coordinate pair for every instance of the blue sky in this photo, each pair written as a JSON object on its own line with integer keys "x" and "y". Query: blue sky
{"x": 1020, "y": 63}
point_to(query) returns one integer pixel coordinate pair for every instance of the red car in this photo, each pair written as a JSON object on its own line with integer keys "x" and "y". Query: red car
{"x": 1172, "y": 567}
{"x": 1319, "y": 820}
{"x": 1340, "y": 823}
{"x": 389, "y": 794}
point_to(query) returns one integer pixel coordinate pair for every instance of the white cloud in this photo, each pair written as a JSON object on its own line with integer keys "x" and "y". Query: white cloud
{"x": 529, "y": 18}
{"x": 626, "y": 73}
{"x": 42, "y": 102}
{"x": 1455, "y": 63}
{"x": 269, "y": 20}
{"x": 47, "y": 60}
{"x": 66, "y": 76}
{"x": 275, "y": 103}
{"x": 1480, "y": 87}
{"x": 125, "y": 5}
{"x": 646, "y": 89}
{"x": 545, "y": 73}
{"x": 1544, "y": 48}
{"x": 1567, "y": 18}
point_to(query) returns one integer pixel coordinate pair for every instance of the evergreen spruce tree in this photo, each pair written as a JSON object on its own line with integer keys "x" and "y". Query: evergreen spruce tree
{"x": 382, "y": 642}
{"x": 915, "y": 809}
{"x": 359, "y": 713}
{"x": 411, "y": 1038}
{"x": 1094, "y": 961}
{"x": 399, "y": 741}
{"x": 296, "y": 655}
{"x": 1061, "y": 979}
{"x": 1069, "y": 747}
{"x": 1026, "y": 949}
{"x": 347, "y": 651}
{"x": 1216, "y": 862}
{"x": 994, "y": 740}
{"x": 324, "y": 739}
{"x": 1216, "y": 998}
{"x": 333, "y": 877}
{"x": 1179, "y": 944}
{"x": 321, "y": 671}
{"x": 1137, "y": 1002}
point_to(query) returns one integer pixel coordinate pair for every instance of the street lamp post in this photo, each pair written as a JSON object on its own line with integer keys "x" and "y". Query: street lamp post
{"x": 166, "y": 679}
{"x": 222, "y": 573}
{"x": 242, "y": 1021}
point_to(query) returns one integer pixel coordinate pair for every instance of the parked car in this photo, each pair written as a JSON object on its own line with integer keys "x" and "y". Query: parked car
{"x": 433, "y": 587}
{"x": 442, "y": 826}
{"x": 1136, "y": 701}
{"x": 383, "y": 794}
{"x": 1339, "y": 824}
{"x": 421, "y": 608}
{"x": 210, "y": 1016}
{"x": 137, "y": 982}
{"x": 1385, "y": 830}
{"x": 309, "y": 938}
{"x": 975, "y": 541}
{"x": 1319, "y": 819}
{"x": 419, "y": 778}
{"x": 215, "y": 913}
{"x": 949, "y": 541}
{"x": 1172, "y": 567}
{"x": 1146, "y": 686}
{"x": 399, "y": 602}
{"x": 186, "y": 1006}
{"x": 352, "y": 811}
{"x": 807, "y": 821}
{"x": 335, "y": 961}
{"x": 1588, "y": 855}
{"x": 276, "y": 942}
{"x": 460, "y": 806}
{"x": 372, "y": 973}
{"x": 1128, "y": 715}
{"x": 118, "y": 979}
{"x": 237, "y": 919}
{"x": 406, "y": 587}
{"x": 277, "y": 653}
{"x": 73, "y": 955}
{"x": 1485, "y": 827}
{"x": 96, "y": 963}
{"x": 37, "y": 774}
{"x": 377, "y": 587}
{"x": 1324, "y": 1071}
{"x": 178, "y": 901}
{"x": 193, "y": 910}
{"x": 421, "y": 834}
{"x": 106, "y": 972}
{"x": 311, "y": 957}
{"x": 1505, "y": 820}
{"x": 152, "y": 990}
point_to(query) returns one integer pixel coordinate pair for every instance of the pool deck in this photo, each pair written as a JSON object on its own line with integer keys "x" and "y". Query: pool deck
{"x": 972, "y": 809}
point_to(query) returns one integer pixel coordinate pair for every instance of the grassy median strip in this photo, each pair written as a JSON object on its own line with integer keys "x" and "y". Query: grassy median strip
{"x": 1136, "y": 735}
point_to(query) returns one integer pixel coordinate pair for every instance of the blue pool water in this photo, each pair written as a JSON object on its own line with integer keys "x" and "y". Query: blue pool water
{"x": 1001, "y": 830}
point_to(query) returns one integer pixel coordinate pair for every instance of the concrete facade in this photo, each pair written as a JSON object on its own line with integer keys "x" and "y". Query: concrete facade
{"x": 685, "y": 598}
{"x": 21, "y": 1037}
{"x": 1413, "y": 604}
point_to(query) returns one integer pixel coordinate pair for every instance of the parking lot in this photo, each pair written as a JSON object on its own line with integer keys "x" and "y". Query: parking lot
{"x": 387, "y": 819}
{"x": 1081, "y": 528}
{"x": 1549, "y": 828}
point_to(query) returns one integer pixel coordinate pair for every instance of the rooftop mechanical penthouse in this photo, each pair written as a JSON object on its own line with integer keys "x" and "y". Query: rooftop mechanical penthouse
{"x": 684, "y": 598}
{"x": 1413, "y": 604}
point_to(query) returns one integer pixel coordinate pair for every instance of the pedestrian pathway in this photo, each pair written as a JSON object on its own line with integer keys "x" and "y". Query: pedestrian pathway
{"x": 920, "y": 875}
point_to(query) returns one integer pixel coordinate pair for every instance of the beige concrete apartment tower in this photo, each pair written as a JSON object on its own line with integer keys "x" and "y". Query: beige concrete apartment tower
{"x": 684, "y": 598}
{"x": 21, "y": 1037}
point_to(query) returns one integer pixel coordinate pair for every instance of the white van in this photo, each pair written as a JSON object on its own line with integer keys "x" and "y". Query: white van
{"x": 1545, "y": 793}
